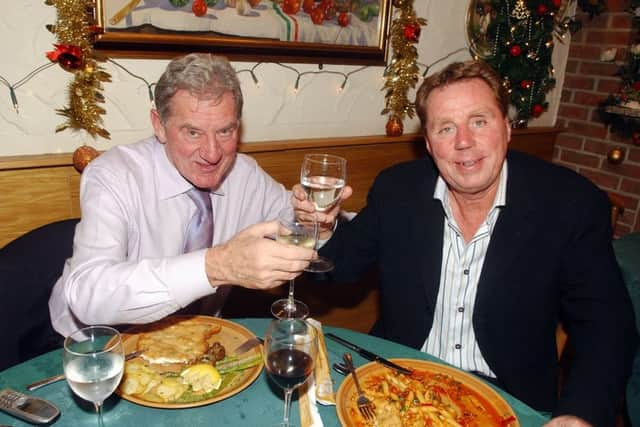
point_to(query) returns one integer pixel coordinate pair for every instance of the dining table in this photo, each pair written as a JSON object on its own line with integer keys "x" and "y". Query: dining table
{"x": 260, "y": 404}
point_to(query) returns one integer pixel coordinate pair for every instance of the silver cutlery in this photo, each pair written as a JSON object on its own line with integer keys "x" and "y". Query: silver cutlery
{"x": 50, "y": 380}
{"x": 366, "y": 407}
{"x": 367, "y": 354}
{"x": 247, "y": 345}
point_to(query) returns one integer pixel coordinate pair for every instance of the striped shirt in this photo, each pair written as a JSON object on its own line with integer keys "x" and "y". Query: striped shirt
{"x": 452, "y": 337}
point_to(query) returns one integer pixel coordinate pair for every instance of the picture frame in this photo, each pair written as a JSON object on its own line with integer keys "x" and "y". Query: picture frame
{"x": 263, "y": 31}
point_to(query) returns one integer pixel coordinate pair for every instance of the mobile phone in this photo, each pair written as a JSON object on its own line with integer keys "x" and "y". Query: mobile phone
{"x": 29, "y": 408}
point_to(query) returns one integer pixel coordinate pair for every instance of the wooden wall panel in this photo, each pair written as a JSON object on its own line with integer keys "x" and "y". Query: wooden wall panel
{"x": 33, "y": 197}
{"x": 35, "y": 190}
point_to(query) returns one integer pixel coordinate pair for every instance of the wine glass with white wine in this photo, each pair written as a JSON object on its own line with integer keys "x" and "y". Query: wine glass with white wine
{"x": 298, "y": 232}
{"x": 93, "y": 361}
{"x": 323, "y": 177}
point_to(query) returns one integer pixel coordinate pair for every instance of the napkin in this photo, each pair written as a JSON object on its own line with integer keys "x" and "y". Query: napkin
{"x": 319, "y": 389}
{"x": 309, "y": 415}
{"x": 322, "y": 370}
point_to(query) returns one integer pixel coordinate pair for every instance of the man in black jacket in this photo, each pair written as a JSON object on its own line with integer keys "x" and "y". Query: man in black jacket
{"x": 482, "y": 252}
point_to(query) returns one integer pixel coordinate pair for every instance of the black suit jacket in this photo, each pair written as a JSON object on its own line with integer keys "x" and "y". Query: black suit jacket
{"x": 550, "y": 259}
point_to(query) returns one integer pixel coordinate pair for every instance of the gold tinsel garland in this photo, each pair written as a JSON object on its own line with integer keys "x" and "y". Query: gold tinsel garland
{"x": 402, "y": 72}
{"x": 75, "y": 28}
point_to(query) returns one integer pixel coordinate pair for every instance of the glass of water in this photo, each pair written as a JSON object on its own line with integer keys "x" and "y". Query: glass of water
{"x": 93, "y": 360}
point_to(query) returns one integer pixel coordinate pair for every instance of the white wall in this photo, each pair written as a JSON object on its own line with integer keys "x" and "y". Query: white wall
{"x": 272, "y": 110}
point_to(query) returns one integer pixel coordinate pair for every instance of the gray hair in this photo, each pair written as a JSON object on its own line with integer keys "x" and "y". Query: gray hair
{"x": 205, "y": 76}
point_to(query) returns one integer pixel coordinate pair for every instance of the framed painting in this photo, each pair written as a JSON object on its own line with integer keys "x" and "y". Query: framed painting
{"x": 311, "y": 31}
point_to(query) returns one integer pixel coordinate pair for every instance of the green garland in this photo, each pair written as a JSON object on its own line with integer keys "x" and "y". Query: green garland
{"x": 520, "y": 35}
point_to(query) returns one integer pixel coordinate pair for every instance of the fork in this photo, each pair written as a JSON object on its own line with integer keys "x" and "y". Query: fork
{"x": 366, "y": 407}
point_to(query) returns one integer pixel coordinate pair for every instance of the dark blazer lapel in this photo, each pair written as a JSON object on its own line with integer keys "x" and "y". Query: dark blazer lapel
{"x": 511, "y": 234}
{"x": 429, "y": 227}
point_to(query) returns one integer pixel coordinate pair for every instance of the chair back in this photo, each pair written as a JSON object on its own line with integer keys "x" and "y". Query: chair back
{"x": 627, "y": 249}
{"x": 29, "y": 267}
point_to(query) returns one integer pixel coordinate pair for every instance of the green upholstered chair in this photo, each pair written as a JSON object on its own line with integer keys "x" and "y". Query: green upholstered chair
{"x": 627, "y": 249}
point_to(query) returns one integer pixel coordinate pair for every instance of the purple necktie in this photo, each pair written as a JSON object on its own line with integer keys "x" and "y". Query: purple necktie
{"x": 200, "y": 231}
{"x": 200, "y": 236}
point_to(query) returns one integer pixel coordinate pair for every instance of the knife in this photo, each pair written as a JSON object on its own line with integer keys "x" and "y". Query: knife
{"x": 367, "y": 354}
{"x": 247, "y": 345}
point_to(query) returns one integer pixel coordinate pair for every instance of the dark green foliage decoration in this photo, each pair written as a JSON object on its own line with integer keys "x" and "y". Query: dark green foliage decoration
{"x": 517, "y": 38}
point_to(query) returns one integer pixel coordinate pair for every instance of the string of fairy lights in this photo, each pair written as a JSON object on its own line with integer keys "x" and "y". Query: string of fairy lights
{"x": 252, "y": 71}
{"x": 75, "y": 30}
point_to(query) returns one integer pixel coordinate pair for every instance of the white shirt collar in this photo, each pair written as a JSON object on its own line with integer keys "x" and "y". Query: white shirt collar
{"x": 440, "y": 193}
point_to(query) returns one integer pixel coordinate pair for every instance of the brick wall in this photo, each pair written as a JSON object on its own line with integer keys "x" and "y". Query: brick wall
{"x": 584, "y": 144}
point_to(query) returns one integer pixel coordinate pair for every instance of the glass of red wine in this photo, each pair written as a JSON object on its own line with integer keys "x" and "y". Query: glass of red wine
{"x": 290, "y": 349}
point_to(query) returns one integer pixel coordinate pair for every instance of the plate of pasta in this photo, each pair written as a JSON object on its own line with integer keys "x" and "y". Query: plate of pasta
{"x": 433, "y": 395}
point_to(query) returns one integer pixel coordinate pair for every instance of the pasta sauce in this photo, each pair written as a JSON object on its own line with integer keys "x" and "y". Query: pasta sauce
{"x": 425, "y": 399}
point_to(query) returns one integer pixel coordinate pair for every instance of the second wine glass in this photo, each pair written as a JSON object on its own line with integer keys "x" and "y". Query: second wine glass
{"x": 290, "y": 350}
{"x": 297, "y": 232}
{"x": 323, "y": 177}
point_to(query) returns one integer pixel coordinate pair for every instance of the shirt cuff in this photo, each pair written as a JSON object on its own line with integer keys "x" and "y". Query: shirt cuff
{"x": 187, "y": 278}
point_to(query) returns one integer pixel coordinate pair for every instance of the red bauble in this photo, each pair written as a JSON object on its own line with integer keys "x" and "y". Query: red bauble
{"x": 635, "y": 138}
{"x": 394, "y": 126}
{"x": 542, "y": 9}
{"x": 515, "y": 50}
{"x": 556, "y": 3}
{"x": 82, "y": 156}
{"x": 68, "y": 56}
{"x": 537, "y": 110}
{"x": 412, "y": 32}
{"x": 525, "y": 84}
{"x": 199, "y": 7}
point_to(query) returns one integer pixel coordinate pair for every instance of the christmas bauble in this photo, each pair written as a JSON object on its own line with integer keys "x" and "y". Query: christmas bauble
{"x": 411, "y": 32}
{"x": 82, "y": 156}
{"x": 394, "y": 126}
{"x": 69, "y": 62}
{"x": 515, "y": 50}
{"x": 615, "y": 156}
{"x": 537, "y": 110}
{"x": 635, "y": 138}
{"x": 525, "y": 84}
{"x": 556, "y": 3}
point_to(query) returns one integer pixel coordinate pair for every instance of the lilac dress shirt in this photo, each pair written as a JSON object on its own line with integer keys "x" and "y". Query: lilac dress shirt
{"x": 127, "y": 264}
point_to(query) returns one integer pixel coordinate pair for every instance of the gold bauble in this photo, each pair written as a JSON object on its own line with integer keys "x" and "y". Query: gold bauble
{"x": 82, "y": 156}
{"x": 615, "y": 156}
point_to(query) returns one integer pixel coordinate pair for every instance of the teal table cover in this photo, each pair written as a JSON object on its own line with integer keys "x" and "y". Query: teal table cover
{"x": 258, "y": 405}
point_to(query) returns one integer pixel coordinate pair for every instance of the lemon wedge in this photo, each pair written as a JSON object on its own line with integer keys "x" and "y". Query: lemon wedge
{"x": 202, "y": 377}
